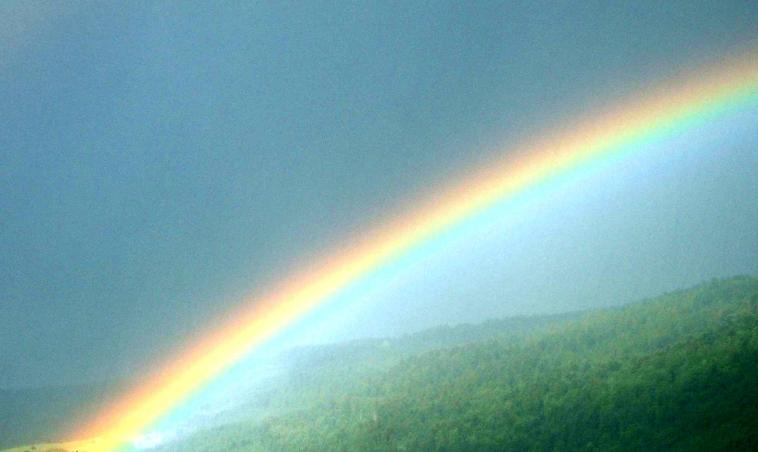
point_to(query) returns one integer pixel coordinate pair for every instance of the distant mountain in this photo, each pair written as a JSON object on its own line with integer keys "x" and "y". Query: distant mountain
{"x": 677, "y": 372}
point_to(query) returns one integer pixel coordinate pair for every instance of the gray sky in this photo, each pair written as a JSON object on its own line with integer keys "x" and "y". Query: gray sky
{"x": 160, "y": 159}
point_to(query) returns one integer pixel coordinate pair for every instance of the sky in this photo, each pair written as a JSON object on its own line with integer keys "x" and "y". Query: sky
{"x": 160, "y": 160}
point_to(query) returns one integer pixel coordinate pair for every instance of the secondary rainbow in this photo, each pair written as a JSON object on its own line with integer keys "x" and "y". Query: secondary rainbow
{"x": 676, "y": 105}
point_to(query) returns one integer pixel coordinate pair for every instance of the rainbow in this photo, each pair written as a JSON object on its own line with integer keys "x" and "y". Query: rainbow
{"x": 677, "y": 105}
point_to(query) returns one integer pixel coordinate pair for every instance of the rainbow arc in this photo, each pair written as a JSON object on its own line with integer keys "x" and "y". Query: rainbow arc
{"x": 677, "y": 105}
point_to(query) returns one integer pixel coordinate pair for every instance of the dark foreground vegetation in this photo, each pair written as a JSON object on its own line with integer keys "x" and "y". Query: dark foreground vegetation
{"x": 679, "y": 372}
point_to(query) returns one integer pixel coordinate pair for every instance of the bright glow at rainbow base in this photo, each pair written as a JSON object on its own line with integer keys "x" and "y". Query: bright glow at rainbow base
{"x": 674, "y": 107}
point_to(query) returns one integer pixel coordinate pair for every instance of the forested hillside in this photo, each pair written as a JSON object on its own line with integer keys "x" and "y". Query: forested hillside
{"x": 676, "y": 372}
